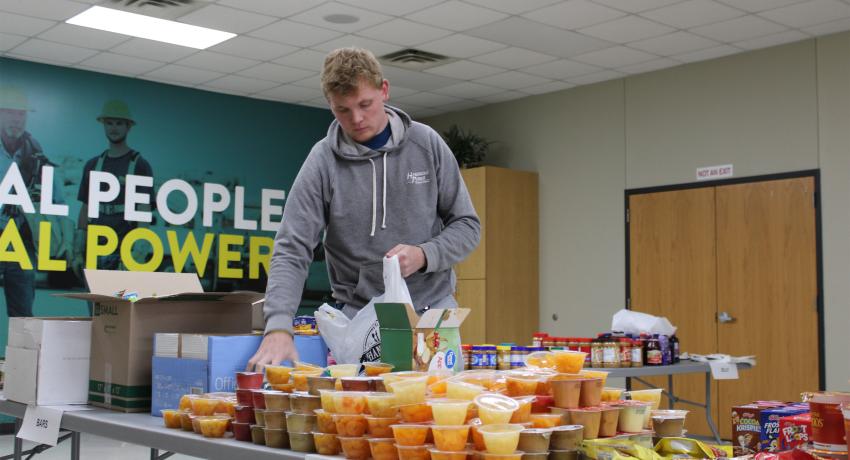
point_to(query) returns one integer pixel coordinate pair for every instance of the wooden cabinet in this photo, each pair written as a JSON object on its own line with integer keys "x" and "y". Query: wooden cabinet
{"x": 499, "y": 280}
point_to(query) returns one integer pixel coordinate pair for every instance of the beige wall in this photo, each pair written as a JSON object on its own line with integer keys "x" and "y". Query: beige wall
{"x": 775, "y": 110}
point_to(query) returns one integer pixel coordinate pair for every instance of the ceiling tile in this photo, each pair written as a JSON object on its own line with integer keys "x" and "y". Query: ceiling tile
{"x": 514, "y": 58}
{"x": 404, "y": 32}
{"x": 456, "y": 16}
{"x": 416, "y": 80}
{"x": 513, "y": 6}
{"x": 426, "y": 99}
{"x": 627, "y": 29}
{"x": 675, "y": 43}
{"x": 461, "y": 46}
{"x": 458, "y": 106}
{"x": 547, "y": 87}
{"x": 539, "y": 37}
{"x": 182, "y": 74}
{"x": 83, "y": 37}
{"x": 226, "y": 19}
{"x": 304, "y": 59}
{"x": 36, "y": 59}
{"x": 400, "y": 91}
{"x": 502, "y": 97}
{"x": 616, "y": 56}
{"x": 253, "y": 48}
{"x": 116, "y": 63}
{"x": 295, "y": 33}
{"x": 809, "y": 13}
{"x": 829, "y": 27}
{"x": 512, "y": 80}
{"x": 277, "y": 8}
{"x": 574, "y": 14}
{"x": 314, "y": 82}
{"x": 693, "y": 13}
{"x": 743, "y": 28}
{"x": 777, "y": 39}
{"x": 58, "y": 52}
{"x": 561, "y": 69}
{"x": 278, "y": 73}
{"x": 648, "y": 66}
{"x": 316, "y": 17}
{"x": 56, "y": 10}
{"x": 218, "y": 62}
{"x": 706, "y": 54}
{"x": 393, "y": 7}
{"x": 605, "y": 75}
{"x": 8, "y": 41}
{"x": 290, "y": 93}
{"x": 425, "y": 113}
{"x": 464, "y": 70}
{"x": 156, "y": 51}
{"x": 755, "y": 6}
{"x": 320, "y": 103}
{"x": 468, "y": 89}
{"x": 379, "y": 48}
{"x": 636, "y": 6}
{"x": 241, "y": 84}
{"x": 23, "y": 25}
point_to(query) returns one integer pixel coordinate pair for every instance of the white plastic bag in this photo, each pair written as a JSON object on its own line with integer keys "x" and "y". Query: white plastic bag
{"x": 359, "y": 339}
{"x": 635, "y": 322}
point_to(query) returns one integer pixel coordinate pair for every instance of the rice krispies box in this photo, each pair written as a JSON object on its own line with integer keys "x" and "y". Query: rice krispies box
{"x": 746, "y": 426}
{"x": 794, "y": 430}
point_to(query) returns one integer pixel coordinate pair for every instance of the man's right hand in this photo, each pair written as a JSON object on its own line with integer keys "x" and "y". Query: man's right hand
{"x": 277, "y": 346}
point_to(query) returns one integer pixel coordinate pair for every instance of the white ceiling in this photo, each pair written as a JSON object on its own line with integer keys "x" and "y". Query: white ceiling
{"x": 502, "y": 49}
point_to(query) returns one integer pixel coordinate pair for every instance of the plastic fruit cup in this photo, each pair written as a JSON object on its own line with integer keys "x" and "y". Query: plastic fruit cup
{"x": 350, "y": 425}
{"x": 325, "y": 422}
{"x": 632, "y": 416}
{"x": 566, "y": 437}
{"x": 355, "y": 448}
{"x": 391, "y": 377}
{"x": 668, "y": 423}
{"x": 410, "y": 391}
{"x": 540, "y": 359}
{"x": 258, "y": 397}
{"x": 495, "y": 408}
{"x": 383, "y": 448}
{"x": 241, "y": 431}
{"x": 245, "y": 414}
{"x": 516, "y": 455}
{"x": 568, "y": 361}
{"x": 477, "y": 438}
{"x": 304, "y": 404}
{"x": 591, "y": 392}
{"x": 343, "y": 370}
{"x": 413, "y": 452}
{"x": 382, "y": 404}
{"x": 565, "y": 414}
{"x": 277, "y": 400}
{"x": 305, "y": 366}
{"x": 437, "y": 454}
{"x": 278, "y": 374}
{"x": 349, "y": 402}
{"x": 284, "y": 387}
{"x": 327, "y": 398}
{"x": 249, "y": 380}
{"x": 299, "y": 379}
{"x": 258, "y": 435}
{"x": 523, "y": 414}
{"x": 380, "y": 427}
{"x": 546, "y": 420}
{"x": 204, "y": 406}
{"x": 563, "y": 455}
{"x": 186, "y": 402}
{"x": 538, "y": 456}
{"x": 595, "y": 375}
{"x": 214, "y": 426}
{"x": 534, "y": 440}
{"x": 566, "y": 392}
{"x": 319, "y": 382}
{"x": 449, "y": 411}
{"x": 171, "y": 418}
{"x": 589, "y": 418}
{"x": 301, "y": 442}
{"x": 373, "y": 369}
{"x": 186, "y": 420}
{"x": 276, "y": 438}
{"x": 455, "y": 389}
{"x": 196, "y": 422}
{"x": 416, "y": 413}
{"x": 357, "y": 383}
{"x": 501, "y": 439}
{"x": 244, "y": 397}
{"x": 410, "y": 435}
{"x": 274, "y": 419}
{"x": 259, "y": 417}
{"x": 608, "y": 421}
{"x": 652, "y": 396}
{"x": 612, "y": 394}
{"x": 299, "y": 423}
{"x": 326, "y": 443}
{"x": 542, "y": 404}
{"x": 451, "y": 438}
{"x": 521, "y": 385}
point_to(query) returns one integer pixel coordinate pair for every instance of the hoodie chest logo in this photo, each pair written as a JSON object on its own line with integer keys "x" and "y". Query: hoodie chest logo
{"x": 417, "y": 177}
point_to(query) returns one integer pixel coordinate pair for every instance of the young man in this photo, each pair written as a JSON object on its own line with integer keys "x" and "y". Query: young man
{"x": 378, "y": 185}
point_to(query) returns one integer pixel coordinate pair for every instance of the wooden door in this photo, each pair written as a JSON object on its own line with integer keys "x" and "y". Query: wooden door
{"x": 767, "y": 282}
{"x": 472, "y": 294}
{"x": 672, "y": 274}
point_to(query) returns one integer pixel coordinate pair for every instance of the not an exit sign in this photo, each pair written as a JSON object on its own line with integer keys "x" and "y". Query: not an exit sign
{"x": 715, "y": 172}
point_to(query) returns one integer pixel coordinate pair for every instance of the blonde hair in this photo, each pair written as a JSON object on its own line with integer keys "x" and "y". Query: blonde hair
{"x": 345, "y": 67}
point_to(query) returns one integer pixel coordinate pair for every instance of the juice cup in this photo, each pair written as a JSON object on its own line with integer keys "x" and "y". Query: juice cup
{"x": 278, "y": 374}
{"x": 258, "y": 435}
{"x": 356, "y": 448}
{"x": 437, "y": 454}
{"x": 534, "y": 440}
{"x": 298, "y": 423}
{"x": 632, "y": 416}
{"x": 249, "y": 380}
{"x": 612, "y": 394}
{"x": 591, "y": 392}
{"x": 327, "y": 398}
{"x": 449, "y": 411}
{"x": 413, "y": 452}
{"x": 523, "y": 413}
{"x": 456, "y": 389}
{"x": 382, "y": 404}
{"x": 244, "y": 397}
{"x": 260, "y": 417}
{"x": 589, "y": 418}
{"x": 566, "y": 437}
{"x": 325, "y": 422}
{"x": 383, "y": 448}
{"x": 568, "y": 361}
{"x": 259, "y": 398}
{"x": 274, "y": 419}
{"x": 374, "y": 369}
{"x": 380, "y": 427}
{"x": 517, "y": 385}
{"x": 349, "y": 402}
{"x": 608, "y": 421}
{"x": 448, "y": 437}
{"x": 241, "y": 431}
{"x": 326, "y": 443}
{"x": 501, "y": 439}
{"x": 409, "y": 391}
{"x": 274, "y": 437}
{"x": 410, "y": 434}
{"x": 668, "y": 423}
{"x": 546, "y": 420}
{"x": 245, "y": 414}
{"x": 304, "y": 403}
{"x": 567, "y": 392}
{"x": 214, "y": 426}
{"x": 495, "y": 408}
{"x": 350, "y": 425}
{"x": 415, "y": 413}
{"x": 343, "y": 370}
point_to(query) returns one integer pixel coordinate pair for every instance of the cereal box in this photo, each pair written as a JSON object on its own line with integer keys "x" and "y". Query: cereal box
{"x": 746, "y": 426}
{"x": 794, "y": 430}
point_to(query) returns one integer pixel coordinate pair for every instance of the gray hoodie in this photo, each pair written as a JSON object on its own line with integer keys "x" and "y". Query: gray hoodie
{"x": 408, "y": 192}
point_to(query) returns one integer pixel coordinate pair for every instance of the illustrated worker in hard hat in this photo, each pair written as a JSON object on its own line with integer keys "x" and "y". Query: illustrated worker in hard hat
{"x": 119, "y": 160}
{"x": 18, "y": 146}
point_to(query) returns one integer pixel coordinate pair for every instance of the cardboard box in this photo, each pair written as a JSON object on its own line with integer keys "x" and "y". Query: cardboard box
{"x": 411, "y": 342}
{"x": 47, "y": 360}
{"x": 769, "y": 418}
{"x": 746, "y": 426}
{"x": 794, "y": 430}
{"x": 122, "y": 331}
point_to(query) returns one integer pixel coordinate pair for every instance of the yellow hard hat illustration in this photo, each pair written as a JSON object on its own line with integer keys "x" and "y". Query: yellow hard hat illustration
{"x": 116, "y": 108}
{"x": 14, "y": 99}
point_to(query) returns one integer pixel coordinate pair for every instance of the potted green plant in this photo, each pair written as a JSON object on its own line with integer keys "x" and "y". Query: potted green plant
{"x": 469, "y": 148}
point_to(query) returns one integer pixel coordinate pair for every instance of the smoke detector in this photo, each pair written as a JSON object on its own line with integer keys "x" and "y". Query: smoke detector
{"x": 414, "y": 59}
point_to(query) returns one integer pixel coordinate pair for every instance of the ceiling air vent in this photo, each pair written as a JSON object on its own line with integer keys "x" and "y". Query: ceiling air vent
{"x": 415, "y": 59}
{"x": 163, "y": 9}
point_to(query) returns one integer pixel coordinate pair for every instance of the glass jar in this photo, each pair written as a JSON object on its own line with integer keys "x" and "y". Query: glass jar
{"x": 491, "y": 360}
{"x": 538, "y": 338}
{"x": 596, "y": 353}
{"x": 503, "y": 360}
{"x": 611, "y": 354}
{"x": 467, "y": 356}
{"x": 479, "y": 359}
{"x": 625, "y": 352}
{"x": 637, "y": 354}
{"x": 653, "y": 352}
{"x": 584, "y": 346}
{"x": 549, "y": 342}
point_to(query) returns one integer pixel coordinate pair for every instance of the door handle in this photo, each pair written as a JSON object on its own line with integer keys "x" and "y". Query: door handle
{"x": 724, "y": 317}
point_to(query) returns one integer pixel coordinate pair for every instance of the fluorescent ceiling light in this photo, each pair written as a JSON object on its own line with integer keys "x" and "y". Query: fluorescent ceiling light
{"x": 139, "y": 25}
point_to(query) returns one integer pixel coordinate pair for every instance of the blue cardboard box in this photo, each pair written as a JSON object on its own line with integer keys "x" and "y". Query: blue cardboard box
{"x": 769, "y": 437}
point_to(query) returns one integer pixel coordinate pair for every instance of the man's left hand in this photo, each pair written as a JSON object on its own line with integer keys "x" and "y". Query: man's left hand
{"x": 410, "y": 258}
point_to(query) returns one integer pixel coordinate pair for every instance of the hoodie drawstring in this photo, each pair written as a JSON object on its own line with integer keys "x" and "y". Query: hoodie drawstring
{"x": 375, "y": 196}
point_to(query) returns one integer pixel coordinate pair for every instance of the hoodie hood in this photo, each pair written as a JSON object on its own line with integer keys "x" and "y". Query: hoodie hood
{"x": 343, "y": 146}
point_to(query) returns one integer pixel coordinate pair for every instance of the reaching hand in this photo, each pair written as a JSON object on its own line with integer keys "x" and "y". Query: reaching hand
{"x": 277, "y": 346}
{"x": 410, "y": 258}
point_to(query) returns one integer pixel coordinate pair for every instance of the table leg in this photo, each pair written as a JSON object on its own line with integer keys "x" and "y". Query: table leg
{"x": 75, "y": 445}
{"x": 18, "y": 451}
{"x": 154, "y": 454}
{"x": 671, "y": 398}
{"x": 708, "y": 417}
